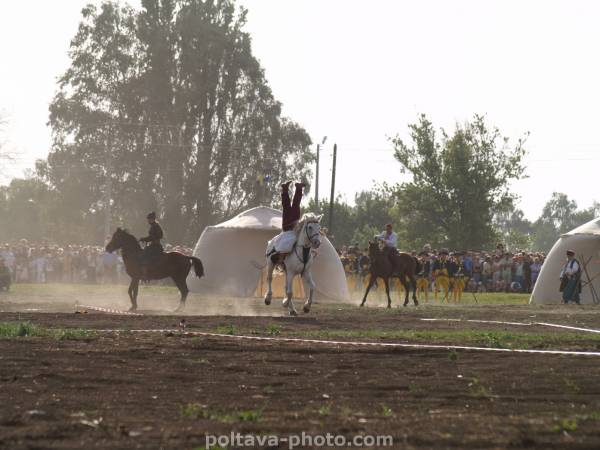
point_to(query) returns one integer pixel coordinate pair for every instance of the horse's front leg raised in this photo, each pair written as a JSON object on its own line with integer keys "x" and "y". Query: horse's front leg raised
{"x": 287, "y": 301}
{"x": 309, "y": 286}
{"x": 269, "y": 294}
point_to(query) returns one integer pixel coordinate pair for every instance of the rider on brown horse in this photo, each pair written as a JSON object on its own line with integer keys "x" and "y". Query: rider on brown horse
{"x": 154, "y": 249}
{"x": 390, "y": 241}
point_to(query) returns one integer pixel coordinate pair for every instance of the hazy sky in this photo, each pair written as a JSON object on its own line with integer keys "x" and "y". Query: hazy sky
{"x": 359, "y": 72}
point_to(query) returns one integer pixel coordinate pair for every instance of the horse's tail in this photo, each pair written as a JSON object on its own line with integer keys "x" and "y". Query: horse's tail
{"x": 198, "y": 267}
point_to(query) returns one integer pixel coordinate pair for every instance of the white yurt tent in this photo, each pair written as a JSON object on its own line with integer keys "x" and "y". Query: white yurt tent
{"x": 233, "y": 255}
{"x": 585, "y": 242}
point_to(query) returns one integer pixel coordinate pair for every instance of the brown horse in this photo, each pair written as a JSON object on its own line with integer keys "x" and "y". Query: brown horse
{"x": 172, "y": 264}
{"x": 405, "y": 267}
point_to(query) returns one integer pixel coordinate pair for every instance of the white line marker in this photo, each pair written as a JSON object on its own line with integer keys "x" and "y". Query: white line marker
{"x": 477, "y": 321}
{"x": 589, "y": 330}
{"x": 524, "y": 324}
{"x": 351, "y": 343}
{"x": 364, "y": 344}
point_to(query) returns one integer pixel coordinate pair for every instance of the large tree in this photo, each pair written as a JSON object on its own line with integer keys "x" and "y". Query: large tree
{"x": 560, "y": 215}
{"x": 167, "y": 108}
{"x": 458, "y": 182}
{"x": 27, "y": 210}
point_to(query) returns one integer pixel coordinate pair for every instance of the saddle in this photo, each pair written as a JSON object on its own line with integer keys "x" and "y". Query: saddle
{"x": 392, "y": 255}
{"x": 150, "y": 258}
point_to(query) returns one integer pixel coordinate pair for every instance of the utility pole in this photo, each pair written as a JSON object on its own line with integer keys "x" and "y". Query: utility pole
{"x": 317, "y": 180}
{"x": 332, "y": 198}
{"x": 317, "y": 174}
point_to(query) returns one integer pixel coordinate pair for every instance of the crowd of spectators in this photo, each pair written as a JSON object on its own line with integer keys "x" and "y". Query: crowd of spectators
{"x": 43, "y": 262}
{"x": 496, "y": 271}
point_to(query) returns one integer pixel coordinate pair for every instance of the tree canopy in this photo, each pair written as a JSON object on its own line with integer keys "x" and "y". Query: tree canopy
{"x": 560, "y": 215}
{"x": 167, "y": 109}
{"x": 459, "y": 182}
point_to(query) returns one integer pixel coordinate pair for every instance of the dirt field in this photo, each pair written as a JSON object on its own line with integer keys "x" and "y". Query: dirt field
{"x": 81, "y": 389}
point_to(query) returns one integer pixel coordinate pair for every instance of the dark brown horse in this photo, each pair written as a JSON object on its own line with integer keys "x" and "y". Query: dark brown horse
{"x": 405, "y": 267}
{"x": 172, "y": 264}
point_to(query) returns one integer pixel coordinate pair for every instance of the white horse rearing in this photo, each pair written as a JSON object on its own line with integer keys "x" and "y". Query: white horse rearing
{"x": 299, "y": 261}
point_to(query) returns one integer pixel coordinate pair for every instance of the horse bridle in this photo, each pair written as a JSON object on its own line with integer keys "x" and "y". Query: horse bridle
{"x": 301, "y": 258}
{"x": 310, "y": 238}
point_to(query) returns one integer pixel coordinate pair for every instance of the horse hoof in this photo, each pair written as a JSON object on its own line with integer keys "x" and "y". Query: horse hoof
{"x": 405, "y": 304}
{"x": 133, "y": 309}
{"x": 285, "y": 303}
{"x": 389, "y": 306}
{"x": 361, "y": 305}
{"x": 267, "y": 301}
{"x": 293, "y": 313}
{"x": 306, "y": 309}
{"x": 416, "y": 303}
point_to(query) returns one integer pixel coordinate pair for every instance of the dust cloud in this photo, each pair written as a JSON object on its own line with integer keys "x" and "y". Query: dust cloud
{"x": 152, "y": 300}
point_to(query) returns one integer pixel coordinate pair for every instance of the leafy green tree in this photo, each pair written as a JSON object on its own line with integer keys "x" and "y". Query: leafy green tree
{"x": 458, "y": 183}
{"x": 168, "y": 108}
{"x": 374, "y": 207}
{"x": 518, "y": 241}
{"x": 27, "y": 210}
{"x": 357, "y": 224}
{"x": 560, "y": 215}
{"x": 344, "y": 220}
{"x": 513, "y": 229}
{"x": 364, "y": 234}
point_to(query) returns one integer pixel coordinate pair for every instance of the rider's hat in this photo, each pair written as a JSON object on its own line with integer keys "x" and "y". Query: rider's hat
{"x": 570, "y": 253}
{"x": 151, "y": 215}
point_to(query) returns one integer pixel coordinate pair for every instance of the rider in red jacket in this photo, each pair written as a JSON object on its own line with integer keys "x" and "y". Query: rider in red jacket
{"x": 291, "y": 210}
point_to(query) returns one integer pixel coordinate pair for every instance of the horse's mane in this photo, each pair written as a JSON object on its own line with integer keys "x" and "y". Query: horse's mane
{"x": 130, "y": 237}
{"x": 306, "y": 218}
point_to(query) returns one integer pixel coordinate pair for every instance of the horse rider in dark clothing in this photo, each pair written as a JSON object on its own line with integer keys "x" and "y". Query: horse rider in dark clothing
{"x": 154, "y": 247}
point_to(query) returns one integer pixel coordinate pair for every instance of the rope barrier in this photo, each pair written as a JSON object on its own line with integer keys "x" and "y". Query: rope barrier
{"x": 356, "y": 343}
{"x": 524, "y": 324}
{"x": 107, "y": 310}
{"x": 353, "y": 343}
